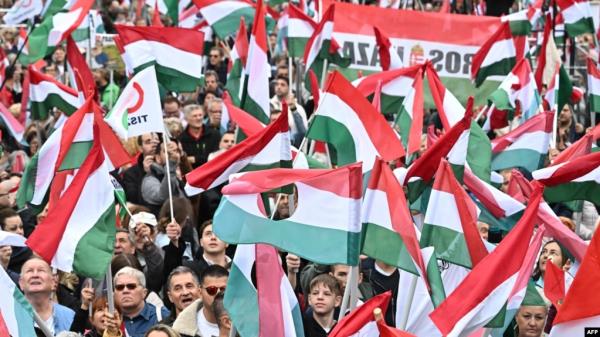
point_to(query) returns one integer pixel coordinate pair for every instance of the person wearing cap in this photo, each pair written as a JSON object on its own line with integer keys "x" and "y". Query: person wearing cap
{"x": 532, "y": 314}
{"x": 142, "y": 227}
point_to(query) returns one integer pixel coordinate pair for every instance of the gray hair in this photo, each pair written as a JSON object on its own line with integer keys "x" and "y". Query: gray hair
{"x": 129, "y": 271}
{"x": 182, "y": 270}
{"x": 187, "y": 110}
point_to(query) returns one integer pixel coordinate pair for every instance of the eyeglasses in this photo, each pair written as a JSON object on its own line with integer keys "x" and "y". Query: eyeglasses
{"x": 129, "y": 286}
{"x": 212, "y": 290}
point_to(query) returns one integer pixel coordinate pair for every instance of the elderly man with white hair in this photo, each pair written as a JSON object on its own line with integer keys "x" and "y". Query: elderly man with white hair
{"x": 130, "y": 293}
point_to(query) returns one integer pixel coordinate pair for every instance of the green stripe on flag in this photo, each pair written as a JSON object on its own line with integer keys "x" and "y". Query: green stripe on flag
{"x": 77, "y": 153}
{"x": 456, "y": 247}
{"x": 95, "y": 249}
{"x": 296, "y": 46}
{"x": 479, "y": 153}
{"x": 501, "y": 68}
{"x": 527, "y": 159}
{"x": 241, "y": 302}
{"x": 172, "y": 79}
{"x": 234, "y": 225}
{"x": 329, "y": 130}
{"x": 40, "y": 110}
{"x": 383, "y": 244}
{"x": 585, "y": 190}
{"x": 583, "y": 26}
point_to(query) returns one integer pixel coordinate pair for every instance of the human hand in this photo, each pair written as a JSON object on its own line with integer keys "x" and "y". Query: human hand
{"x": 87, "y": 296}
{"x": 173, "y": 231}
{"x": 293, "y": 263}
{"x": 148, "y": 160}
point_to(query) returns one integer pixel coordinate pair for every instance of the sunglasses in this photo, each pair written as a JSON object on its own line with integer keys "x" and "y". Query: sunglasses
{"x": 212, "y": 290}
{"x": 130, "y": 286}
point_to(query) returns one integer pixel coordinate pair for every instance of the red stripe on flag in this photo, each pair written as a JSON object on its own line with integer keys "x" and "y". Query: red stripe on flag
{"x": 180, "y": 38}
{"x": 360, "y": 316}
{"x": 269, "y": 276}
{"x": 554, "y": 283}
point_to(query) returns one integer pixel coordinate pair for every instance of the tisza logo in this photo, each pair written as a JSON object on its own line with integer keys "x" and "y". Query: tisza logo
{"x": 137, "y": 104}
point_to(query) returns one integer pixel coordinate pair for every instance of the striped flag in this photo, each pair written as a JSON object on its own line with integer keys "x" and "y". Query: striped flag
{"x": 593, "y": 81}
{"x": 521, "y": 22}
{"x": 14, "y": 127}
{"x": 79, "y": 231}
{"x": 578, "y": 16}
{"x": 410, "y": 119}
{"x": 15, "y": 311}
{"x": 325, "y": 227}
{"x": 421, "y": 172}
{"x": 23, "y": 10}
{"x": 54, "y": 29}
{"x": 224, "y": 15}
{"x": 450, "y": 223}
{"x": 300, "y": 29}
{"x": 449, "y": 108}
{"x": 256, "y": 87}
{"x": 322, "y": 46}
{"x": 518, "y": 93}
{"x": 486, "y": 289}
{"x": 396, "y": 84}
{"x": 46, "y": 93}
{"x": 77, "y": 66}
{"x": 138, "y": 109}
{"x": 577, "y": 179}
{"x": 268, "y": 148}
{"x": 175, "y": 52}
{"x": 525, "y": 146}
{"x": 350, "y": 124}
{"x": 361, "y": 319}
{"x": 579, "y": 310}
{"x": 238, "y": 58}
{"x": 86, "y": 32}
{"x": 388, "y": 57}
{"x": 498, "y": 55}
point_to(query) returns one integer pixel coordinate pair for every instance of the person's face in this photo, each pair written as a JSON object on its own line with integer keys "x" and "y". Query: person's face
{"x": 36, "y": 277}
{"x": 565, "y": 114}
{"x": 551, "y": 251}
{"x": 50, "y": 71}
{"x": 214, "y": 57}
{"x": 34, "y": 145}
{"x": 149, "y": 143}
{"x": 183, "y": 290}
{"x": 211, "y": 286}
{"x": 210, "y": 243}
{"x": 283, "y": 72}
{"x": 283, "y": 208}
{"x": 171, "y": 109}
{"x": 506, "y": 175}
{"x": 340, "y": 272}
{"x": 484, "y": 230}
{"x": 122, "y": 244}
{"x": 14, "y": 225}
{"x": 5, "y": 253}
{"x": 195, "y": 118}
{"x": 214, "y": 113}
{"x": 322, "y": 300}
{"x": 129, "y": 293}
{"x": 211, "y": 83}
{"x": 59, "y": 55}
{"x": 227, "y": 141}
{"x": 97, "y": 320}
{"x": 530, "y": 321}
{"x": 281, "y": 88}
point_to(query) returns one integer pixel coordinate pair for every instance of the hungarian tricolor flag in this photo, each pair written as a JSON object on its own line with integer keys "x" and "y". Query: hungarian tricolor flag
{"x": 352, "y": 126}
{"x": 255, "y": 99}
{"x": 224, "y": 15}
{"x": 395, "y": 86}
{"x": 577, "y": 179}
{"x": 517, "y": 95}
{"x": 578, "y": 16}
{"x": 580, "y": 309}
{"x": 79, "y": 71}
{"x": 16, "y": 314}
{"x": 525, "y": 146}
{"x": 268, "y": 148}
{"x": 54, "y": 30}
{"x": 46, "y": 93}
{"x": 490, "y": 284}
{"x": 322, "y": 47}
{"x": 300, "y": 29}
{"x": 449, "y": 108}
{"x": 324, "y": 228}
{"x": 499, "y": 54}
{"x": 389, "y": 232}
{"x": 410, "y": 118}
{"x": 268, "y": 309}
{"x": 593, "y": 81}
{"x": 450, "y": 223}
{"x": 175, "y": 52}
{"x": 388, "y": 56}
{"x": 361, "y": 320}
{"x": 237, "y": 64}
{"x": 79, "y": 231}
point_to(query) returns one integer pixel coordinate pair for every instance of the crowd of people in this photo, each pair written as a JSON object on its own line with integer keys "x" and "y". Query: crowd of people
{"x": 170, "y": 270}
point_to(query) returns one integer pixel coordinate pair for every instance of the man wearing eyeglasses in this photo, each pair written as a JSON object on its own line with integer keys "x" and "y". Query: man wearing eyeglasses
{"x": 198, "y": 319}
{"x": 130, "y": 292}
